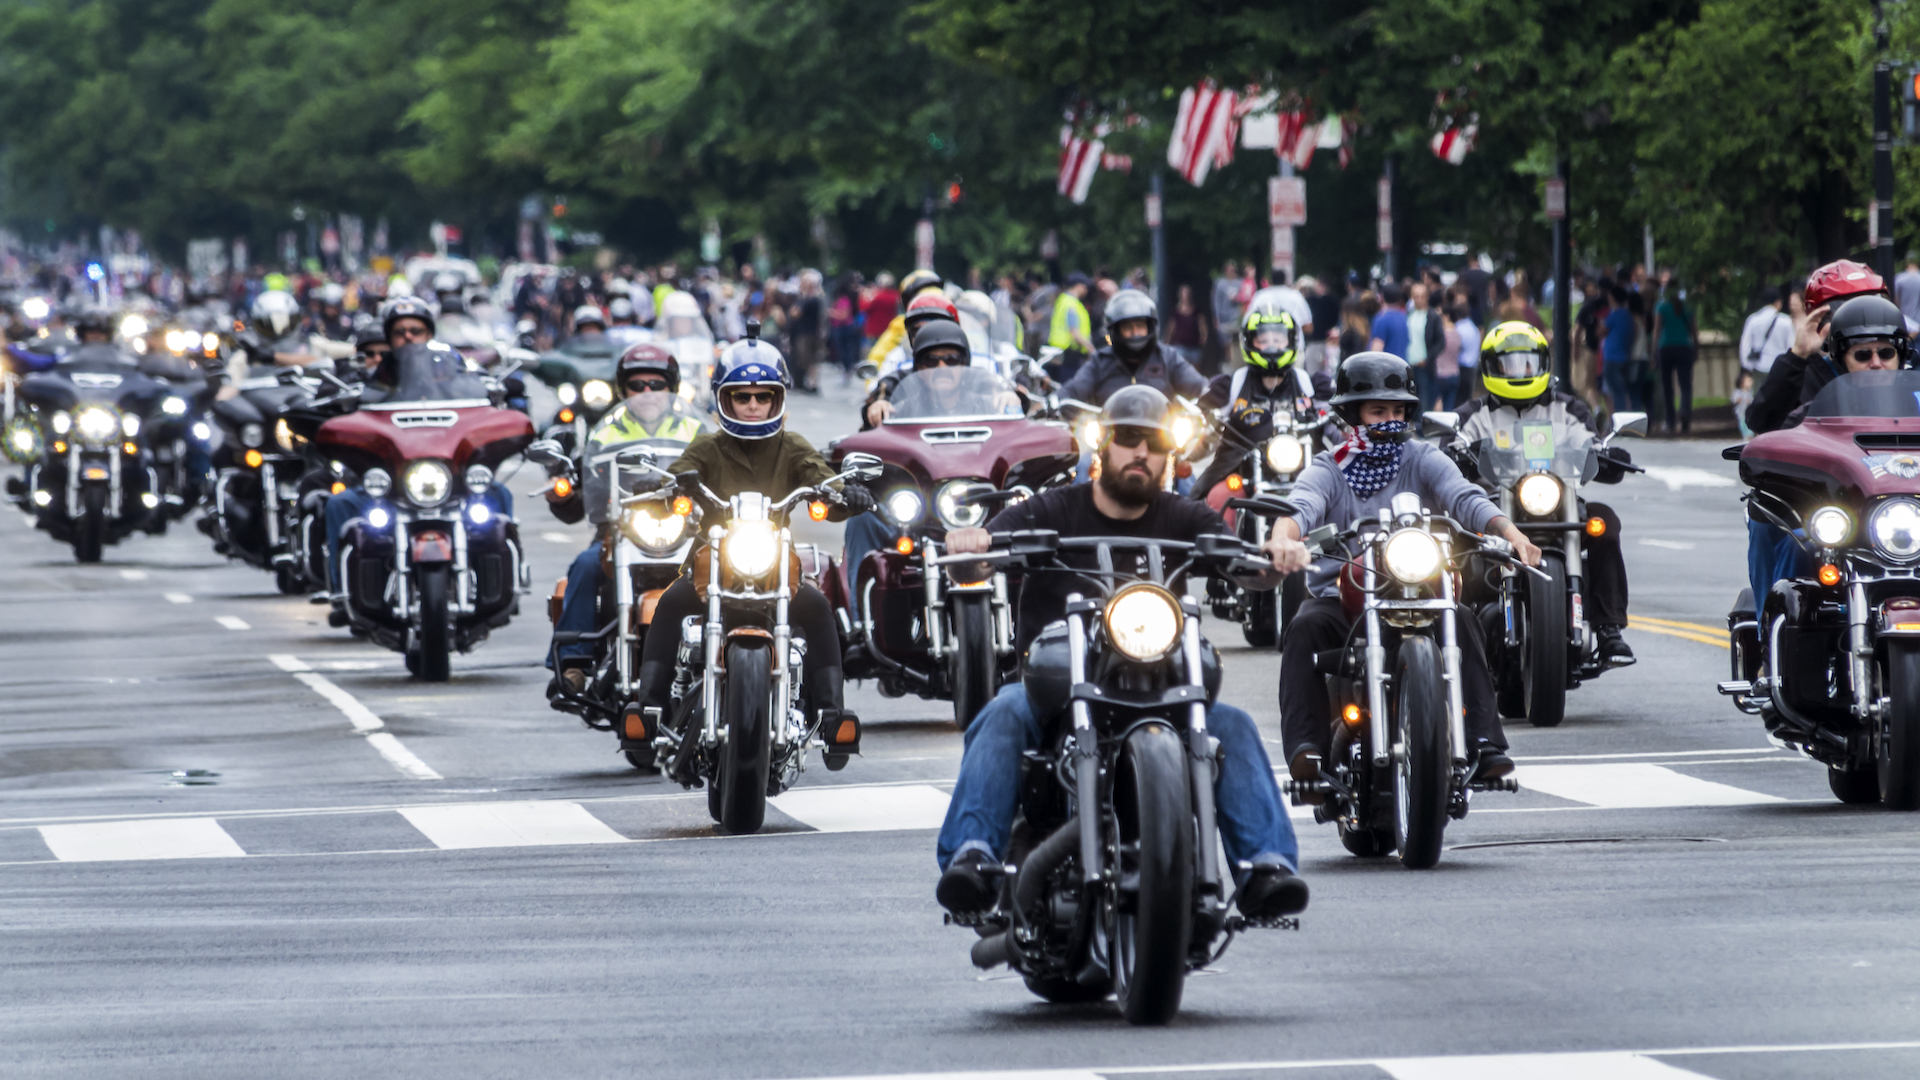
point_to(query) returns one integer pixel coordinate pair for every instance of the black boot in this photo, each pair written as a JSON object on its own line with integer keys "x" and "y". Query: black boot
{"x": 839, "y": 726}
{"x": 964, "y": 887}
{"x": 1614, "y": 651}
{"x": 1492, "y": 762}
{"x": 1272, "y": 891}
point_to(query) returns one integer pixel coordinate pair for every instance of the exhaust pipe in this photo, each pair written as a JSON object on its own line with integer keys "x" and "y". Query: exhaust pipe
{"x": 1029, "y": 889}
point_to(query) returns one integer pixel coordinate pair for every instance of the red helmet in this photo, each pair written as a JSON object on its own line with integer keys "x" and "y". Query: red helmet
{"x": 1841, "y": 280}
{"x": 646, "y": 358}
{"x": 931, "y": 304}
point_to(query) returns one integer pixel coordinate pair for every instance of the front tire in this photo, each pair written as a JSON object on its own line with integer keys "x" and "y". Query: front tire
{"x": 1899, "y": 771}
{"x": 1544, "y": 667}
{"x": 1259, "y": 626}
{"x": 745, "y": 698}
{"x": 1854, "y": 785}
{"x": 1423, "y": 766}
{"x": 89, "y": 533}
{"x": 435, "y": 665}
{"x": 973, "y": 667}
{"x": 1153, "y": 811}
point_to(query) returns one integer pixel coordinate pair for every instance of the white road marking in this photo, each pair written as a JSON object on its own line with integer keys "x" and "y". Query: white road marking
{"x": 178, "y": 598}
{"x": 232, "y": 622}
{"x": 134, "y": 575}
{"x": 1680, "y": 476}
{"x": 1615, "y": 1066}
{"x": 557, "y": 537}
{"x": 510, "y": 824}
{"x": 150, "y": 838}
{"x": 1656, "y": 753}
{"x": 1633, "y": 785}
{"x": 363, "y": 719}
{"x": 1673, "y": 545}
{"x": 874, "y": 809}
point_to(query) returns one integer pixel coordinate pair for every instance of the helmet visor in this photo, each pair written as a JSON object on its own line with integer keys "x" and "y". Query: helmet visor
{"x": 1519, "y": 365}
{"x": 1271, "y": 340}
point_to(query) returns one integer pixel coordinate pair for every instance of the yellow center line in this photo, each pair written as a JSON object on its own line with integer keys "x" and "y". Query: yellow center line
{"x": 1635, "y": 622}
{"x": 1699, "y": 628}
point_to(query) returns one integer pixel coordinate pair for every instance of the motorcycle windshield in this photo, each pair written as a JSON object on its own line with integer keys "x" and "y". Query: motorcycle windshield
{"x": 464, "y": 332}
{"x": 1530, "y": 446}
{"x": 944, "y": 394}
{"x": 1888, "y": 394}
{"x": 679, "y": 327}
{"x": 431, "y": 371}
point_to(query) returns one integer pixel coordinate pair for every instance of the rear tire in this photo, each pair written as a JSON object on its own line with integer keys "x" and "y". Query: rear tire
{"x": 745, "y": 697}
{"x": 1153, "y": 810}
{"x": 1899, "y": 771}
{"x": 1854, "y": 785}
{"x": 435, "y": 663}
{"x": 1423, "y": 767}
{"x": 1544, "y": 650}
{"x": 973, "y": 667}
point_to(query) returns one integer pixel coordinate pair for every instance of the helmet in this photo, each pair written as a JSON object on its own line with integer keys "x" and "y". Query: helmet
{"x": 1373, "y": 376}
{"x": 1133, "y": 304}
{"x": 751, "y": 362}
{"x": 619, "y": 287}
{"x": 446, "y": 281}
{"x": 405, "y": 307}
{"x": 398, "y": 285}
{"x": 1514, "y": 363}
{"x": 620, "y": 308}
{"x": 333, "y": 293}
{"x": 1840, "y": 280}
{"x": 588, "y": 313}
{"x": 275, "y": 312}
{"x": 679, "y": 304}
{"x": 1869, "y": 318}
{"x": 918, "y": 280}
{"x": 651, "y": 359}
{"x": 1268, "y": 316}
{"x": 940, "y": 333}
{"x": 1134, "y": 406}
{"x": 370, "y": 334}
{"x": 929, "y": 306}
{"x": 93, "y": 320}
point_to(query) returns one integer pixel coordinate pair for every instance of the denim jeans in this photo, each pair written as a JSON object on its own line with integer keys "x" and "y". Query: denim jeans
{"x": 1772, "y": 555}
{"x": 577, "y": 609}
{"x": 1254, "y": 826}
{"x": 865, "y": 532}
{"x": 354, "y": 502}
{"x": 1446, "y": 389}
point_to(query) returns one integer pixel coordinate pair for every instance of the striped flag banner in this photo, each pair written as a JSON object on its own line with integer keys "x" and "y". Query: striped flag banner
{"x": 1202, "y": 131}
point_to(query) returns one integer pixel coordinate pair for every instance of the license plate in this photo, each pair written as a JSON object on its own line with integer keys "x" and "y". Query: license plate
{"x": 94, "y": 472}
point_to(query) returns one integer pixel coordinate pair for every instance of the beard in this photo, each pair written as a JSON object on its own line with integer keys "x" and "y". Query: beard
{"x": 1133, "y": 485}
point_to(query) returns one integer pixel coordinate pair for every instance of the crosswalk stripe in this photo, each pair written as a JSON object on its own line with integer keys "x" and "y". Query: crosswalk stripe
{"x": 232, "y": 622}
{"x": 510, "y": 824}
{"x": 1633, "y": 785}
{"x": 873, "y": 809}
{"x": 1603, "y": 1066}
{"x": 149, "y": 838}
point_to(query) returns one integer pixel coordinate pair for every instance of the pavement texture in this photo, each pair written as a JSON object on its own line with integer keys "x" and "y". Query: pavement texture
{"x": 235, "y": 843}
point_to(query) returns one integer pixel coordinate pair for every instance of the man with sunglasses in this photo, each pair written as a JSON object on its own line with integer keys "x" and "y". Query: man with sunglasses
{"x": 651, "y": 411}
{"x": 1126, "y": 500}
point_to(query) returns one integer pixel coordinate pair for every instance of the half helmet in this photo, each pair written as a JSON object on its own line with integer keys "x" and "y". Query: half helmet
{"x": 1373, "y": 376}
{"x": 405, "y": 307}
{"x": 647, "y": 358}
{"x": 588, "y": 313}
{"x": 1869, "y": 318}
{"x": 918, "y": 281}
{"x": 926, "y": 307}
{"x": 1514, "y": 362}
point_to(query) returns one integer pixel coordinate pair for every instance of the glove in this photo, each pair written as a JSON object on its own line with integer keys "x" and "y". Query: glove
{"x": 1613, "y": 462}
{"x": 855, "y": 497}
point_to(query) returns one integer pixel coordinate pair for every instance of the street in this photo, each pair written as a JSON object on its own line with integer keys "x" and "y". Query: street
{"x": 236, "y": 843}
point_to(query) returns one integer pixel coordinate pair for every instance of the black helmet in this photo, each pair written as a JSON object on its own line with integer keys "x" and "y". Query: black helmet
{"x": 937, "y": 333}
{"x": 647, "y": 358}
{"x": 1869, "y": 318}
{"x": 405, "y": 307}
{"x": 1373, "y": 376}
{"x": 1135, "y": 406}
{"x": 92, "y": 320}
{"x": 369, "y": 334}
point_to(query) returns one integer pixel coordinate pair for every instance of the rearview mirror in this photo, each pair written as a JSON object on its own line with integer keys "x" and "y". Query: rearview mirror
{"x": 1440, "y": 423}
{"x": 545, "y": 451}
{"x": 866, "y": 468}
{"x": 1629, "y": 423}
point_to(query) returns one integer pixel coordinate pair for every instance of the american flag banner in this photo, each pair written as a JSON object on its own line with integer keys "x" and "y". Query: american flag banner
{"x": 1202, "y": 131}
{"x": 1452, "y": 142}
{"x": 1080, "y": 155}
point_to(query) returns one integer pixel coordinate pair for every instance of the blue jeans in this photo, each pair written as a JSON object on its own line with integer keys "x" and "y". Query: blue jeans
{"x": 577, "y": 609}
{"x": 1446, "y": 389}
{"x": 1772, "y": 555}
{"x": 865, "y": 533}
{"x": 354, "y": 502}
{"x": 1254, "y": 826}
{"x": 1613, "y": 379}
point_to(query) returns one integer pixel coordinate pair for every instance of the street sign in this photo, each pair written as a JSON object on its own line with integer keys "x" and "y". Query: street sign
{"x": 1386, "y": 197}
{"x": 1286, "y": 200}
{"x": 1386, "y": 232}
{"x": 1556, "y": 199}
{"x": 1153, "y": 211}
{"x": 1283, "y": 250}
{"x": 923, "y": 244}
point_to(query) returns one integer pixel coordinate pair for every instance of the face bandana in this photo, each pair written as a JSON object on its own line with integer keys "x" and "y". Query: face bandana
{"x": 1371, "y": 456}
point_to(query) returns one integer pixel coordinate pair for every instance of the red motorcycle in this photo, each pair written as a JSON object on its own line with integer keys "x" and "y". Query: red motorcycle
{"x": 432, "y": 560}
{"x": 957, "y": 447}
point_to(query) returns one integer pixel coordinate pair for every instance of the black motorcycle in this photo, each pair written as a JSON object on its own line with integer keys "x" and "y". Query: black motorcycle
{"x": 91, "y": 479}
{"x": 1268, "y": 448}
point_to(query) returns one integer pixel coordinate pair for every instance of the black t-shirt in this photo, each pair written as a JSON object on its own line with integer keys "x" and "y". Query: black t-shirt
{"x": 1070, "y": 512}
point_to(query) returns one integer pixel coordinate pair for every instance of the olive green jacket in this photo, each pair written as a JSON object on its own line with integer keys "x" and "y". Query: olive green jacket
{"x": 773, "y": 466}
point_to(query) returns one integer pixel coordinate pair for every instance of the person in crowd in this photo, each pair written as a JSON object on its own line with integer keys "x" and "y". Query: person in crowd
{"x": 1767, "y": 334}
{"x": 1616, "y": 350}
{"x": 1418, "y": 354}
{"x": 1186, "y": 331}
{"x": 1675, "y": 337}
{"x": 1227, "y": 312}
{"x": 1071, "y": 328}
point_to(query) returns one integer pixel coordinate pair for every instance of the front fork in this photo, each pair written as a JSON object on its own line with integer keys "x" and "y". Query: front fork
{"x": 623, "y": 604}
{"x": 1086, "y": 749}
{"x": 1200, "y": 753}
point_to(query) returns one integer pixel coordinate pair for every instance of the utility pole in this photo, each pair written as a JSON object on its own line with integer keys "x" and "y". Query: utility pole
{"x": 1882, "y": 146}
{"x": 1156, "y": 210}
{"x": 1562, "y": 272}
{"x": 1386, "y": 220}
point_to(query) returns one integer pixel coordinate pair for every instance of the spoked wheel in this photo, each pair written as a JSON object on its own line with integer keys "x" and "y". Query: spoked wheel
{"x": 1422, "y": 765}
{"x": 1854, "y": 785}
{"x": 1544, "y": 648}
{"x": 435, "y": 663}
{"x": 1152, "y": 909}
{"x": 741, "y": 779}
{"x": 1900, "y": 731}
{"x": 90, "y": 532}
{"x": 972, "y": 665}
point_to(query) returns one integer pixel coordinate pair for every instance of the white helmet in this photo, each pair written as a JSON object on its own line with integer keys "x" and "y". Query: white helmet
{"x": 275, "y": 312}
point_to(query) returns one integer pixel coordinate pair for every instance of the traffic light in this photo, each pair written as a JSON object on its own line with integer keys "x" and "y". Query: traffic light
{"x": 954, "y": 193}
{"x": 1910, "y": 102}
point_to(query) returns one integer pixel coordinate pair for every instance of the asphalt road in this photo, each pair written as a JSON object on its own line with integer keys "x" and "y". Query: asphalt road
{"x": 235, "y": 843}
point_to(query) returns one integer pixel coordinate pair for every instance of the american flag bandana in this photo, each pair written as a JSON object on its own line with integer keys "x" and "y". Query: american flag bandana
{"x": 1369, "y": 464}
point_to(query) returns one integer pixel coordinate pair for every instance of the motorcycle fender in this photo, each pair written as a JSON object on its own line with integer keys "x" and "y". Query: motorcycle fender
{"x": 429, "y": 546}
{"x": 740, "y": 632}
{"x": 649, "y": 600}
{"x": 1900, "y": 617}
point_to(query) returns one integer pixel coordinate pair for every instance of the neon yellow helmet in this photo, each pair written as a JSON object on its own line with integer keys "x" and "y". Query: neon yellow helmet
{"x": 1514, "y": 363}
{"x": 1269, "y": 338}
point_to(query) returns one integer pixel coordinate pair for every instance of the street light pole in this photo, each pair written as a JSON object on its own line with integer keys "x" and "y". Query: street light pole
{"x": 1156, "y": 209}
{"x": 1882, "y": 146}
{"x": 1562, "y": 283}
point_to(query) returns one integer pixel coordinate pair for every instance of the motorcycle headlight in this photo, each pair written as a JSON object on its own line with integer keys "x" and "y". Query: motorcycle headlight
{"x": 1143, "y": 621}
{"x": 1412, "y": 556}
{"x": 283, "y": 435}
{"x": 210, "y": 341}
{"x": 428, "y": 483}
{"x": 377, "y": 482}
{"x": 596, "y": 394}
{"x": 201, "y": 431}
{"x": 904, "y": 506}
{"x": 1896, "y": 529}
{"x": 252, "y": 435}
{"x": 653, "y": 534}
{"x": 567, "y": 393}
{"x": 750, "y": 548}
{"x": 1089, "y": 435}
{"x": 62, "y": 423}
{"x": 479, "y": 478}
{"x": 1830, "y": 525}
{"x": 174, "y": 406}
{"x": 177, "y": 341}
{"x": 1539, "y": 494}
{"x": 96, "y": 424}
{"x": 130, "y": 425}
{"x": 953, "y": 515}
{"x": 133, "y": 326}
{"x": 1285, "y": 454}
{"x": 1183, "y": 429}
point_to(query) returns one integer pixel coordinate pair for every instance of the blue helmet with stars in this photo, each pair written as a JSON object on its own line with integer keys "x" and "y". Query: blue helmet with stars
{"x": 750, "y": 362}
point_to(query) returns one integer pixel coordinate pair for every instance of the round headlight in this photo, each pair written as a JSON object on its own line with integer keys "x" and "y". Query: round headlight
{"x": 96, "y": 425}
{"x": 904, "y": 506}
{"x": 252, "y": 435}
{"x": 946, "y": 502}
{"x": 174, "y": 406}
{"x": 1412, "y": 556}
{"x": 1183, "y": 430}
{"x": 1830, "y": 525}
{"x": 210, "y": 341}
{"x": 479, "y": 478}
{"x": 596, "y": 394}
{"x": 133, "y": 326}
{"x": 177, "y": 341}
{"x": 1143, "y": 621}
{"x": 21, "y": 439}
{"x": 428, "y": 483}
{"x": 62, "y": 423}
{"x": 1089, "y": 435}
{"x": 751, "y": 547}
{"x": 1896, "y": 529}
{"x": 130, "y": 425}
{"x": 567, "y": 393}
{"x": 377, "y": 482}
{"x": 1539, "y": 494}
{"x": 1285, "y": 454}
{"x": 34, "y": 307}
{"x": 283, "y": 435}
{"x": 654, "y": 534}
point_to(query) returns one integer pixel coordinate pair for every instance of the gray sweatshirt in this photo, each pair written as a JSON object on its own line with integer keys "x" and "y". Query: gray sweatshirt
{"x": 1324, "y": 498}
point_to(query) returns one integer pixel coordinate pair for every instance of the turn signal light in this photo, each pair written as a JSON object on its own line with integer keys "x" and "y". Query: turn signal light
{"x": 1596, "y": 526}
{"x": 59, "y": 448}
{"x": 1234, "y": 483}
{"x": 254, "y": 459}
{"x": 1351, "y": 714}
{"x": 683, "y": 505}
{"x": 1829, "y": 575}
{"x": 339, "y": 486}
{"x": 846, "y": 733}
{"x": 566, "y": 416}
{"x": 817, "y": 510}
{"x": 131, "y": 448}
{"x": 904, "y": 545}
{"x": 562, "y": 487}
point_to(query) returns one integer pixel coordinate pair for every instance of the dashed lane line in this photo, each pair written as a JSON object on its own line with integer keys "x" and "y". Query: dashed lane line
{"x": 178, "y": 598}
{"x": 134, "y": 575}
{"x": 232, "y": 622}
{"x": 363, "y": 719}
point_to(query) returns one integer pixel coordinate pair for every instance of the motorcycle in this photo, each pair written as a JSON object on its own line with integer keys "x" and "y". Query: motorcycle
{"x": 1113, "y": 884}
{"x": 90, "y": 478}
{"x": 735, "y": 717}
{"x": 430, "y": 567}
{"x": 580, "y": 371}
{"x": 1399, "y": 766}
{"x": 1539, "y": 643}
{"x": 261, "y": 467}
{"x": 1831, "y": 662}
{"x": 950, "y": 466}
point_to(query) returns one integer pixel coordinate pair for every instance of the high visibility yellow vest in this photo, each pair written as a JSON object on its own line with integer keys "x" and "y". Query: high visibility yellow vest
{"x": 1069, "y": 314}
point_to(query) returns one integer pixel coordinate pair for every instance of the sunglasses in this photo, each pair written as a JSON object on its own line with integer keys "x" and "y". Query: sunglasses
{"x": 1130, "y": 437}
{"x": 1864, "y": 356}
{"x": 640, "y": 386}
{"x": 933, "y": 360}
{"x": 749, "y": 397}
{"x": 412, "y": 333}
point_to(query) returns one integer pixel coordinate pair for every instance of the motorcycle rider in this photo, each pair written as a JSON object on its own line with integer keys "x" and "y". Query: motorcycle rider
{"x": 1125, "y": 501}
{"x": 1271, "y": 382}
{"x": 928, "y": 308}
{"x": 589, "y": 323}
{"x": 370, "y": 351}
{"x": 275, "y": 335}
{"x": 895, "y": 335}
{"x": 649, "y": 380}
{"x": 1514, "y": 371}
{"x": 94, "y": 328}
{"x": 1131, "y": 357}
{"x": 753, "y": 451}
{"x": 1797, "y": 375}
{"x": 1375, "y": 395}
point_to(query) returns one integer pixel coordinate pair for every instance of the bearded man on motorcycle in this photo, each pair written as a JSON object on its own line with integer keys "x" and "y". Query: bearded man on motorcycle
{"x": 1375, "y": 395}
{"x": 1514, "y": 370}
{"x": 753, "y": 452}
{"x": 649, "y": 378}
{"x": 1126, "y": 500}
{"x": 1272, "y": 381}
